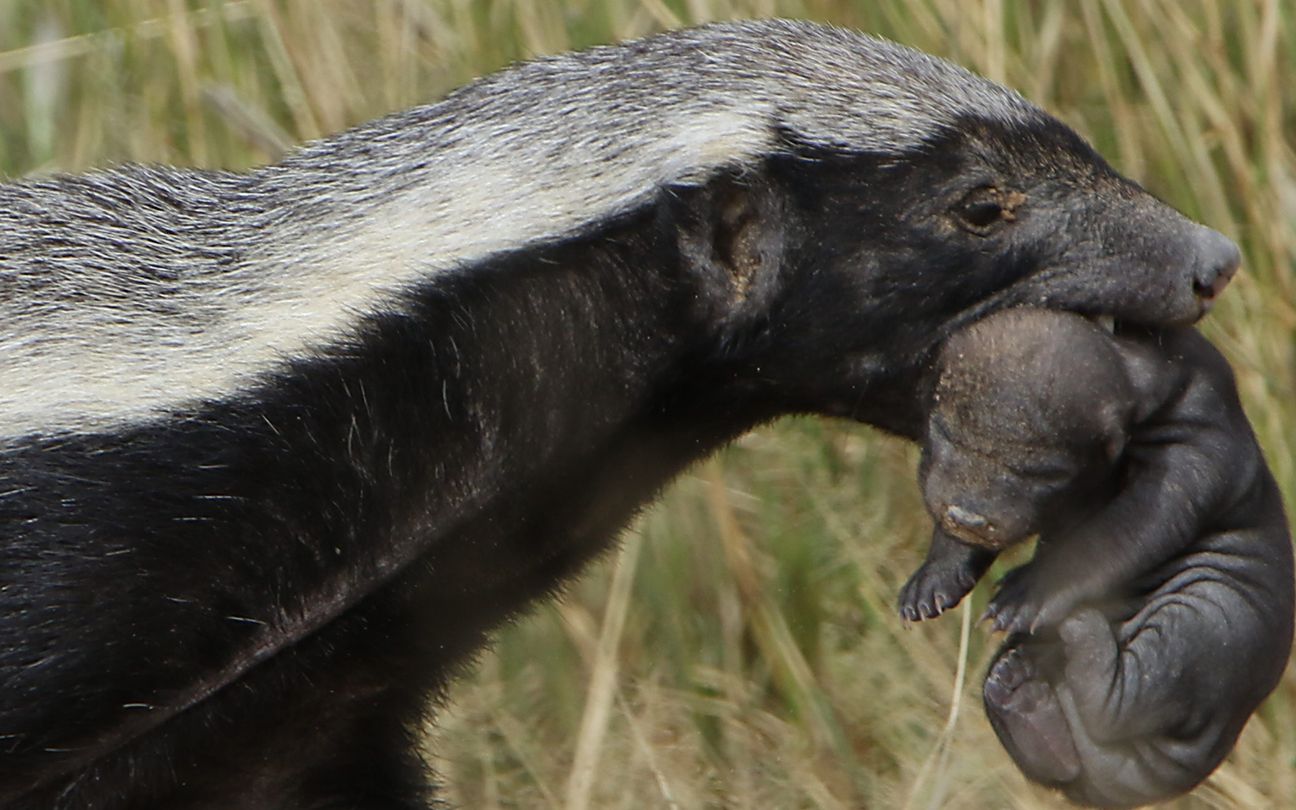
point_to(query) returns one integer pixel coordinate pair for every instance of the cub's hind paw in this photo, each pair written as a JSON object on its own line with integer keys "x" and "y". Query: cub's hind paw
{"x": 1028, "y": 718}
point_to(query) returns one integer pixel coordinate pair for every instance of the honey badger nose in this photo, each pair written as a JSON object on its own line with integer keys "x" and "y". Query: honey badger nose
{"x": 1218, "y": 260}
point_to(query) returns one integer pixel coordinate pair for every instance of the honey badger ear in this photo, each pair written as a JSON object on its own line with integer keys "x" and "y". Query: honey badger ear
{"x": 731, "y": 231}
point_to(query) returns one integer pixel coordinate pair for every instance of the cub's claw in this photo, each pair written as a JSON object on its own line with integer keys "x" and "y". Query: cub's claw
{"x": 932, "y": 590}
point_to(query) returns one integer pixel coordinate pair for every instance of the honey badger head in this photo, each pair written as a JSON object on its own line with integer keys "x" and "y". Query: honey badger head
{"x": 858, "y": 250}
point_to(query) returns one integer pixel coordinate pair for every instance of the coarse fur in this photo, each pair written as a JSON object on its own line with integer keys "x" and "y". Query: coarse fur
{"x": 1164, "y": 554}
{"x": 278, "y": 449}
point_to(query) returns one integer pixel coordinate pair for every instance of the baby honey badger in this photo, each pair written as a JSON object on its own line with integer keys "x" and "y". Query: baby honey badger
{"x": 1130, "y": 456}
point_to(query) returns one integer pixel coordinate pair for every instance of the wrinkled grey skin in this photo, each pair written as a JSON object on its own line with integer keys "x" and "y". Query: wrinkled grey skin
{"x": 1161, "y": 596}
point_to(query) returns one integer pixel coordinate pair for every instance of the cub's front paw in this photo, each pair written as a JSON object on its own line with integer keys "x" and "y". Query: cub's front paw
{"x": 934, "y": 589}
{"x": 1023, "y": 605}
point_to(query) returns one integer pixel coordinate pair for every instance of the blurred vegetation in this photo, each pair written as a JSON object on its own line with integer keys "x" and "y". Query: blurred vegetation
{"x": 741, "y": 649}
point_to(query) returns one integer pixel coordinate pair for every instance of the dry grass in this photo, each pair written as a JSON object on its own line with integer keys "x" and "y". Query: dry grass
{"x": 741, "y": 650}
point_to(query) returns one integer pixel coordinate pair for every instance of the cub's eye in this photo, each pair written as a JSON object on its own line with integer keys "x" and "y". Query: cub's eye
{"x": 986, "y": 208}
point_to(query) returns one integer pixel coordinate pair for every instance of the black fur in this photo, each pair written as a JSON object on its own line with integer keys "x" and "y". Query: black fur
{"x": 250, "y": 604}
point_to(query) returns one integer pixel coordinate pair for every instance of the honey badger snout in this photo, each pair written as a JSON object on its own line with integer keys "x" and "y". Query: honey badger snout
{"x": 1218, "y": 260}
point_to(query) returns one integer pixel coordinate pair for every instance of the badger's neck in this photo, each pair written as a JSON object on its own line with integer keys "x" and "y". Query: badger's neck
{"x": 475, "y": 450}
{"x": 499, "y": 430}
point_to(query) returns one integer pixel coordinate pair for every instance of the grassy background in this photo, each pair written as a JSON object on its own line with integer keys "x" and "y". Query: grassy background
{"x": 741, "y": 649}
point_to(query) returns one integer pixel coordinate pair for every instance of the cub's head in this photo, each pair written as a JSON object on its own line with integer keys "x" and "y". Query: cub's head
{"x": 1029, "y": 414}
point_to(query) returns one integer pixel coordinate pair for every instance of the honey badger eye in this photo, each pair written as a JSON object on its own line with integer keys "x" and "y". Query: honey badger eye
{"x": 983, "y": 209}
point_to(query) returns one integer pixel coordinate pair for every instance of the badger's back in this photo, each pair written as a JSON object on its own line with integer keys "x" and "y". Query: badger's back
{"x": 136, "y": 293}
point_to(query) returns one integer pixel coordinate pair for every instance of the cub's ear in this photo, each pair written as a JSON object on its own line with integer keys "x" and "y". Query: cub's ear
{"x": 732, "y": 232}
{"x": 1115, "y": 418}
{"x": 1117, "y": 407}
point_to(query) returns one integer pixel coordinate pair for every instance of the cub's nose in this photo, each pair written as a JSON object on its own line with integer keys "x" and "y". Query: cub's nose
{"x": 969, "y": 525}
{"x": 1218, "y": 260}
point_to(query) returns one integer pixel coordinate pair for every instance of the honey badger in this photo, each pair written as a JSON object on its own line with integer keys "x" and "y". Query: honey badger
{"x": 277, "y": 449}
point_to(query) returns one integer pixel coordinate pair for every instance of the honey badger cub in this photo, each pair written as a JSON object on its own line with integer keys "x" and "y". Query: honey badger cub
{"x": 1130, "y": 456}
{"x": 1121, "y": 451}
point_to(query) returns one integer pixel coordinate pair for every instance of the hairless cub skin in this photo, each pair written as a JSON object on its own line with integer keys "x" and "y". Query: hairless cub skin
{"x": 1157, "y": 612}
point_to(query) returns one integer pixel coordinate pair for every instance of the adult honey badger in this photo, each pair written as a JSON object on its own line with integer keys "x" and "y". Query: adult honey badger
{"x": 278, "y": 449}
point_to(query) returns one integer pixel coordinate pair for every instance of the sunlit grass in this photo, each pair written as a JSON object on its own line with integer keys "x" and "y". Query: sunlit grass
{"x": 741, "y": 651}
